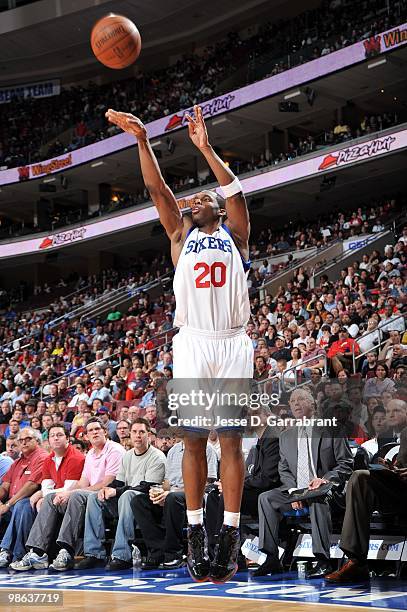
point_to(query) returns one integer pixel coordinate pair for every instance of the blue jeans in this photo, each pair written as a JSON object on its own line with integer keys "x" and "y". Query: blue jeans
{"x": 95, "y": 527}
{"x": 21, "y": 520}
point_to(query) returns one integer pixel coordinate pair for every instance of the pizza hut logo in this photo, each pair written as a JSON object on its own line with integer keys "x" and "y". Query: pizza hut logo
{"x": 372, "y": 46}
{"x": 47, "y": 242}
{"x": 174, "y": 122}
{"x": 380, "y": 145}
{"x": 24, "y": 173}
{"x": 63, "y": 238}
{"x": 208, "y": 109}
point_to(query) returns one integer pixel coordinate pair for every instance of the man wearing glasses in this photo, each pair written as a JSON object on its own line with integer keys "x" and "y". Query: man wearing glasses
{"x": 21, "y": 480}
{"x": 61, "y": 471}
{"x": 101, "y": 466}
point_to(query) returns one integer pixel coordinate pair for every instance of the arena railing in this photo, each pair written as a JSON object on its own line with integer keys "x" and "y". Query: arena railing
{"x": 166, "y": 336}
{"x": 69, "y": 375}
{"x": 297, "y": 369}
{"x": 113, "y": 298}
{"x": 293, "y": 265}
{"x": 103, "y": 302}
{"x": 375, "y": 347}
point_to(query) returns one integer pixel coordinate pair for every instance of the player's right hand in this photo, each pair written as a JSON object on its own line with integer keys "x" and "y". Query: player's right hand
{"x": 128, "y": 123}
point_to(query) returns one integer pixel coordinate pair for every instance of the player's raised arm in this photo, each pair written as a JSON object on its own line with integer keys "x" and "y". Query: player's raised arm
{"x": 162, "y": 196}
{"x": 236, "y": 208}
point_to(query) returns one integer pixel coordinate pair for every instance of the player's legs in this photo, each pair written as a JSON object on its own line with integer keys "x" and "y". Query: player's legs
{"x": 236, "y": 363}
{"x": 194, "y": 473}
{"x": 224, "y": 564}
{"x": 232, "y": 470}
{"x": 194, "y": 469}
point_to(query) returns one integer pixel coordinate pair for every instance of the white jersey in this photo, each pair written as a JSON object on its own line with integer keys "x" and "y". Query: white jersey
{"x": 210, "y": 282}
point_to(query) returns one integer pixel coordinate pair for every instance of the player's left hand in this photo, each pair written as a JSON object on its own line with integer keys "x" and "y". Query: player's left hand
{"x": 197, "y": 128}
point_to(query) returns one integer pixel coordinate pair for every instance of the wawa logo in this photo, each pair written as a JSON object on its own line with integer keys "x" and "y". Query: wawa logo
{"x": 208, "y": 109}
{"x": 24, "y": 173}
{"x": 380, "y": 145}
{"x": 63, "y": 238}
{"x": 372, "y": 46}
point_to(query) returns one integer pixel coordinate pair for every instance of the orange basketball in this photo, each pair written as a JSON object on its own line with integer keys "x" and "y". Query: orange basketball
{"x": 115, "y": 41}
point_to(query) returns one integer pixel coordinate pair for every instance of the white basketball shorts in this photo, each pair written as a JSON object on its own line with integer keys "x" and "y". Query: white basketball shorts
{"x": 222, "y": 354}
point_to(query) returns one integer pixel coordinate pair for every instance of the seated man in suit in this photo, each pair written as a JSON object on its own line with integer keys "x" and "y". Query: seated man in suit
{"x": 385, "y": 490}
{"x": 309, "y": 457}
{"x": 261, "y": 475}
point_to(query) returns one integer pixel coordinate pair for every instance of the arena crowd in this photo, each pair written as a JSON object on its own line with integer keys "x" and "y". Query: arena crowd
{"x": 81, "y": 391}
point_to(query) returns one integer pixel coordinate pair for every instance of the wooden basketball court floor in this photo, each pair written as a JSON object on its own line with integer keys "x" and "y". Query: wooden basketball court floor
{"x": 159, "y": 591}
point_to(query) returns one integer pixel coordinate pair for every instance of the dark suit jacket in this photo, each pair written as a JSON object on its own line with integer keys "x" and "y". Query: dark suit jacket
{"x": 332, "y": 457}
{"x": 264, "y": 473}
{"x": 402, "y": 455}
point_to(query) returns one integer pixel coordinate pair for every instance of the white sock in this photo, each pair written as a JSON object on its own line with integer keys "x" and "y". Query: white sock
{"x": 195, "y": 517}
{"x": 231, "y": 518}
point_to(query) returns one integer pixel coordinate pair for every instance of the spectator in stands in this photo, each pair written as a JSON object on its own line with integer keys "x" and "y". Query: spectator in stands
{"x": 104, "y": 415}
{"x": 313, "y": 357}
{"x": 80, "y": 395}
{"x": 164, "y": 544}
{"x": 332, "y": 461}
{"x": 140, "y": 467}
{"x": 377, "y": 426}
{"x": 391, "y": 321}
{"x": 100, "y": 392}
{"x": 21, "y": 480}
{"x": 12, "y": 428}
{"x": 342, "y": 350}
{"x": 5, "y": 412}
{"x": 396, "y": 419}
{"x": 122, "y": 430}
{"x": 281, "y": 352}
{"x": 61, "y": 470}
{"x": 165, "y": 440}
{"x": 260, "y": 371}
{"x": 13, "y": 448}
{"x": 379, "y": 383}
{"x": 385, "y": 490}
{"x": 102, "y": 463}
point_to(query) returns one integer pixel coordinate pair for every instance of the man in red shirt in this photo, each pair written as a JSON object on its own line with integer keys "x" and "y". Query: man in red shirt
{"x": 21, "y": 480}
{"x": 61, "y": 470}
{"x": 341, "y": 351}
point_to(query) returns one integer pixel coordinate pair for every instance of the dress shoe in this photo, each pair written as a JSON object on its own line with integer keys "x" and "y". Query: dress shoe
{"x": 270, "y": 566}
{"x": 352, "y": 571}
{"x": 115, "y": 564}
{"x": 224, "y": 565}
{"x": 198, "y": 563}
{"x": 319, "y": 571}
{"x": 175, "y": 563}
{"x": 150, "y": 563}
{"x": 90, "y": 562}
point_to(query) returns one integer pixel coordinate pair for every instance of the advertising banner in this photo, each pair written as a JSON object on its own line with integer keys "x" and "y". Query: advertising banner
{"x": 322, "y": 66}
{"x": 278, "y": 176}
{"x": 40, "y": 89}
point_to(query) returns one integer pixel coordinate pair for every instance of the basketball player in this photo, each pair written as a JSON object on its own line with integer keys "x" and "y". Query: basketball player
{"x": 210, "y": 286}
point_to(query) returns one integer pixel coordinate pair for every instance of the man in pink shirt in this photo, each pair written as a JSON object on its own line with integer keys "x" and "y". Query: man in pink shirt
{"x": 101, "y": 466}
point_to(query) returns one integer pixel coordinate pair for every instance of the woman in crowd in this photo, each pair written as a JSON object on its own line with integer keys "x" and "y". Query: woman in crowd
{"x": 379, "y": 383}
{"x": 376, "y": 426}
{"x": 291, "y": 375}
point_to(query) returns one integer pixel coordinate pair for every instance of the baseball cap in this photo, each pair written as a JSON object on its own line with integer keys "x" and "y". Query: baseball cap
{"x": 103, "y": 410}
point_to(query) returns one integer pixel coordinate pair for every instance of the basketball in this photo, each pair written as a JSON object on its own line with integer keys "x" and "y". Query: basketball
{"x": 115, "y": 41}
